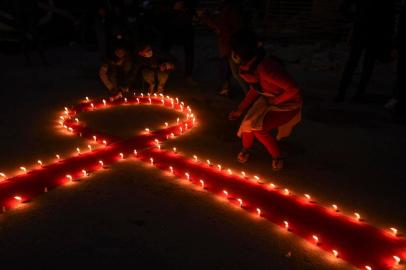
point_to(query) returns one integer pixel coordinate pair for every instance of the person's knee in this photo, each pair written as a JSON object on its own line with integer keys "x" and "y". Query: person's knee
{"x": 148, "y": 76}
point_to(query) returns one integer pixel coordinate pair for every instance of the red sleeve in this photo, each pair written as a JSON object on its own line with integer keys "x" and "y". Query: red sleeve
{"x": 251, "y": 96}
{"x": 277, "y": 76}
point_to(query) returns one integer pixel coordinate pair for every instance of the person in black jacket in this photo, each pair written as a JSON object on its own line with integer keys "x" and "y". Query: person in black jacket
{"x": 154, "y": 68}
{"x": 371, "y": 37}
{"x": 400, "y": 46}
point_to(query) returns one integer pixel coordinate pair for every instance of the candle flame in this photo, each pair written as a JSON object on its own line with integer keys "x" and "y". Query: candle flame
{"x": 240, "y": 201}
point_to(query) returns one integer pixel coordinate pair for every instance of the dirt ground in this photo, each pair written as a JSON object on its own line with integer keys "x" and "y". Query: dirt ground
{"x": 349, "y": 154}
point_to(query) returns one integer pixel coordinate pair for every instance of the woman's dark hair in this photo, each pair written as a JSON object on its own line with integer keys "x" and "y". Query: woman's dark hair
{"x": 245, "y": 44}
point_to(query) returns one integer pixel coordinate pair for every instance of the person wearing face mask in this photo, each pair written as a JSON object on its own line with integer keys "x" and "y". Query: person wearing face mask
{"x": 116, "y": 72}
{"x": 154, "y": 69}
{"x": 273, "y": 101}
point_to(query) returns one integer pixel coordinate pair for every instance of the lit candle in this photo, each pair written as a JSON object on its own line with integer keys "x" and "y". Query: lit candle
{"x": 151, "y": 160}
{"x": 177, "y": 120}
{"x": 87, "y": 99}
{"x": 256, "y": 177}
{"x": 259, "y": 212}
{"x": 335, "y": 207}
{"x": 172, "y": 135}
{"x": 357, "y": 216}
{"x": 397, "y": 259}
{"x": 138, "y": 100}
{"x": 243, "y": 174}
{"x": 271, "y": 185}
{"x": 186, "y": 126}
{"x": 286, "y": 191}
{"x": 174, "y": 149}
{"x": 171, "y": 169}
{"x": 23, "y": 169}
{"x": 187, "y": 176}
{"x": 335, "y": 253}
{"x": 367, "y": 267}
{"x": 92, "y": 105}
{"x": 2, "y": 175}
{"x": 18, "y": 198}
{"x": 58, "y": 156}
{"x": 121, "y": 155}
{"x": 90, "y": 147}
{"x": 69, "y": 177}
{"x": 78, "y": 150}
{"x": 95, "y": 138}
{"x": 219, "y": 167}
{"x": 147, "y": 130}
{"x": 77, "y": 121}
{"x": 181, "y": 129}
{"x": 166, "y": 124}
{"x": 101, "y": 163}
{"x": 208, "y": 162}
{"x": 39, "y": 162}
{"x": 105, "y": 142}
{"x": 229, "y": 172}
{"x": 104, "y": 102}
{"x": 195, "y": 158}
{"x": 240, "y": 201}
{"x": 135, "y": 152}
{"x": 84, "y": 172}
{"x": 202, "y": 183}
{"x": 70, "y": 129}
{"x": 125, "y": 100}
{"x": 316, "y": 239}
{"x": 225, "y": 193}
{"x": 394, "y": 231}
{"x": 149, "y": 100}
{"x": 286, "y": 225}
{"x": 308, "y": 197}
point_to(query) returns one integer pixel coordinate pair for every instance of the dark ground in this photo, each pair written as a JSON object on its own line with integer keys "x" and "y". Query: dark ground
{"x": 348, "y": 154}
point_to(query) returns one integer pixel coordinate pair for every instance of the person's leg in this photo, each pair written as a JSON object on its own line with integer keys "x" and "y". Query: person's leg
{"x": 367, "y": 69}
{"x": 273, "y": 120}
{"x": 401, "y": 85}
{"x": 162, "y": 79}
{"x": 349, "y": 69}
{"x": 149, "y": 76}
{"x": 247, "y": 140}
{"x": 234, "y": 68}
{"x": 224, "y": 76}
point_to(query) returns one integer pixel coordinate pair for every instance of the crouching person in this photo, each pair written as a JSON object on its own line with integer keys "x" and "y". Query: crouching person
{"x": 155, "y": 69}
{"x": 116, "y": 72}
{"x": 273, "y": 100}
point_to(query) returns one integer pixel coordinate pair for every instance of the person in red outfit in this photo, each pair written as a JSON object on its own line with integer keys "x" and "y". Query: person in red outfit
{"x": 273, "y": 101}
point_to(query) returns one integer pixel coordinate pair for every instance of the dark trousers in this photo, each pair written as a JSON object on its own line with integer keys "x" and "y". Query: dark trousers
{"x": 359, "y": 47}
{"x": 401, "y": 85}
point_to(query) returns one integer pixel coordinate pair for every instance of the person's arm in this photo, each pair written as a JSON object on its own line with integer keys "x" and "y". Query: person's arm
{"x": 104, "y": 77}
{"x": 251, "y": 96}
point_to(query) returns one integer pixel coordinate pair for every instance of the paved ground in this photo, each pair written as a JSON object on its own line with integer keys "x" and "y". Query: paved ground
{"x": 348, "y": 154}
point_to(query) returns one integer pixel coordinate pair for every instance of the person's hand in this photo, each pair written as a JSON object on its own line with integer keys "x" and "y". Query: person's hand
{"x": 234, "y": 115}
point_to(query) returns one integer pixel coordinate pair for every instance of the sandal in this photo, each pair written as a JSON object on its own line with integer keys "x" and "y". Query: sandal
{"x": 277, "y": 164}
{"x": 243, "y": 156}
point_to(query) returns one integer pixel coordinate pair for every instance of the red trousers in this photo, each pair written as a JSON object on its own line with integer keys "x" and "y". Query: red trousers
{"x": 273, "y": 119}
